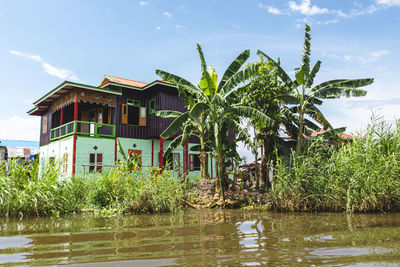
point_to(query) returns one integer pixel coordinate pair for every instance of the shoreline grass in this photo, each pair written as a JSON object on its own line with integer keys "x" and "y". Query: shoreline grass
{"x": 360, "y": 176}
{"x": 24, "y": 193}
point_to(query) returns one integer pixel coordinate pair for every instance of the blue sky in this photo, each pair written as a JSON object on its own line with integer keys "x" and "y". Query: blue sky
{"x": 46, "y": 42}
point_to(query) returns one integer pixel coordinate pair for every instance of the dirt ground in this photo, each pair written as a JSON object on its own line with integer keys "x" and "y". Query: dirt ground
{"x": 204, "y": 195}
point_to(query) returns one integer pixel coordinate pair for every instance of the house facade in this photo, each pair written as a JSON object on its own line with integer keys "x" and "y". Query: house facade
{"x": 82, "y": 124}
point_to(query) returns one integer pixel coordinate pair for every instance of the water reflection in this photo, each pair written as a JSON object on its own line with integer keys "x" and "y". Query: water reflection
{"x": 222, "y": 237}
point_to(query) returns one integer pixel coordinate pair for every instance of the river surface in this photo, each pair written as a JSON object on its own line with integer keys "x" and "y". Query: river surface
{"x": 203, "y": 238}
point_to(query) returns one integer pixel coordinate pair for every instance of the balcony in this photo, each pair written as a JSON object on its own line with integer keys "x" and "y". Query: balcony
{"x": 84, "y": 128}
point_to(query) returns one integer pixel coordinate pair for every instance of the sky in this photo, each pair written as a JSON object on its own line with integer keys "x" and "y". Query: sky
{"x": 44, "y": 43}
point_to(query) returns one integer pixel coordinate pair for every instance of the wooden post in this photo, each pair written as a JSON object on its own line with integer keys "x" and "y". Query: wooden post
{"x": 161, "y": 160}
{"x": 61, "y": 116}
{"x": 152, "y": 153}
{"x": 74, "y": 138}
{"x": 115, "y": 156}
{"x": 186, "y": 158}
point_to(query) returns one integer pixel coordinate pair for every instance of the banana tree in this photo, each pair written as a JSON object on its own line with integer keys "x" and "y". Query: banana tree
{"x": 216, "y": 106}
{"x": 304, "y": 97}
{"x": 188, "y": 127}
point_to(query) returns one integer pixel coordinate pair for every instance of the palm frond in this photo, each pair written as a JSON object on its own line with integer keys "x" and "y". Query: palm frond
{"x": 249, "y": 112}
{"x": 234, "y": 67}
{"x": 305, "y": 58}
{"x": 168, "y": 114}
{"x": 317, "y": 115}
{"x": 174, "y": 144}
{"x": 239, "y": 77}
{"x": 313, "y": 72}
{"x": 180, "y": 82}
{"x": 175, "y": 126}
{"x": 198, "y": 109}
{"x": 236, "y": 128}
{"x": 341, "y": 83}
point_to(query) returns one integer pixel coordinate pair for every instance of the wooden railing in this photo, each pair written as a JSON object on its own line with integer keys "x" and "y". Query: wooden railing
{"x": 85, "y": 128}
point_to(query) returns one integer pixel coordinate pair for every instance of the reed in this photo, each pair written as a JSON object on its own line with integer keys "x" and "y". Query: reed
{"x": 360, "y": 176}
{"x": 24, "y": 193}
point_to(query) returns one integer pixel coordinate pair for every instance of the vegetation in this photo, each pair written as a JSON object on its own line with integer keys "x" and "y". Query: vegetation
{"x": 216, "y": 106}
{"x": 360, "y": 176}
{"x": 262, "y": 93}
{"x": 304, "y": 98}
{"x": 24, "y": 193}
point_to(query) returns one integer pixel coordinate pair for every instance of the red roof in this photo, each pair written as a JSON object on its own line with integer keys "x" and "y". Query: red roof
{"x": 344, "y": 135}
{"x": 114, "y": 79}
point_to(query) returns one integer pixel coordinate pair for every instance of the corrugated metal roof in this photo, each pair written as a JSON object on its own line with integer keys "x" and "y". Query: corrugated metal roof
{"x": 19, "y": 143}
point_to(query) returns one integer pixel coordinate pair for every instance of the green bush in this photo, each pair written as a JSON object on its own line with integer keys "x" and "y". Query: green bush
{"x": 360, "y": 176}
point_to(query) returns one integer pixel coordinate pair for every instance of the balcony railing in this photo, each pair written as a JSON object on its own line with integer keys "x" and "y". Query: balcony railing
{"x": 86, "y": 128}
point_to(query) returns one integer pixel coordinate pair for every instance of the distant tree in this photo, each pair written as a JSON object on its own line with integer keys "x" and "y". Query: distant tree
{"x": 304, "y": 98}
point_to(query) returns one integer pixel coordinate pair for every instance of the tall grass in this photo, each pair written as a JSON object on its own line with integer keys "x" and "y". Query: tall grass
{"x": 360, "y": 176}
{"x": 136, "y": 191}
{"x": 24, "y": 193}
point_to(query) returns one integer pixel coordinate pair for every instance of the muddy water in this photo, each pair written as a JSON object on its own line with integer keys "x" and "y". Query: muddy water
{"x": 203, "y": 237}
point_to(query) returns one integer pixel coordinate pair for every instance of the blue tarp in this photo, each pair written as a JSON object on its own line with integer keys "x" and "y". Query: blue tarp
{"x": 19, "y": 143}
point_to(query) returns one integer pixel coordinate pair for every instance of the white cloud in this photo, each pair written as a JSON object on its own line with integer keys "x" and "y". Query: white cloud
{"x": 306, "y": 8}
{"x": 180, "y": 27}
{"x": 63, "y": 74}
{"x": 167, "y": 14}
{"x": 274, "y": 10}
{"x": 20, "y": 128}
{"x": 143, "y": 3}
{"x": 371, "y": 57}
{"x": 271, "y": 9}
{"x": 388, "y": 2}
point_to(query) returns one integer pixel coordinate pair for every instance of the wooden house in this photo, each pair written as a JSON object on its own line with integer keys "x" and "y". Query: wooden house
{"x": 80, "y": 125}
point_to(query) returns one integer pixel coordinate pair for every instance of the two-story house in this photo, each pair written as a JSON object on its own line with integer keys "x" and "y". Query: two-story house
{"x": 81, "y": 124}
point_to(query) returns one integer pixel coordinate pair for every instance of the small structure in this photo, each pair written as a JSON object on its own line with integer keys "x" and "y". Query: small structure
{"x": 81, "y": 126}
{"x": 17, "y": 149}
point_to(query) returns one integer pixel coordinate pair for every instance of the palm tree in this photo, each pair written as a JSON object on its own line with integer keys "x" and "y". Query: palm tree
{"x": 305, "y": 98}
{"x": 215, "y": 105}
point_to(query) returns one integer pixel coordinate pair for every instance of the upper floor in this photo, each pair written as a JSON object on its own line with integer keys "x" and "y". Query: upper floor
{"x": 116, "y": 108}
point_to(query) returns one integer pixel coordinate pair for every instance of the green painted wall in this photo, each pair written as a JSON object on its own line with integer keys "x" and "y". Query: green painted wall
{"x": 106, "y": 146}
{"x": 138, "y": 144}
{"x": 57, "y": 150}
{"x": 85, "y": 146}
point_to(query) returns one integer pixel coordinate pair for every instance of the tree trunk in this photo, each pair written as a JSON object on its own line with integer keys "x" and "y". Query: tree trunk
{"x": 220, "y": 175}
{"x": 300, "y": 145}
{"x": 203, "y": 164}
{"x": 265, "y": 160}
{"x": 257, "y": 169}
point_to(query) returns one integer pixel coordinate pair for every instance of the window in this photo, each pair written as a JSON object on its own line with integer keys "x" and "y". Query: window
{"x": 65, "y": 163}
{"x": 194, "y": 162}
{"x": 96, "y": 161}
{"x": 152, "y": 106}
{"x": 136, "y": 156}
{"x": 133, "y": 102}
{"x": 44, "y": 124}
{"x": 133, "y": 115}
